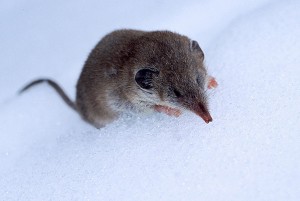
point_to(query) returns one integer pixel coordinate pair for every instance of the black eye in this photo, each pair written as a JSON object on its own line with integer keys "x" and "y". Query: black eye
{"x": 144, "y": 78}
{"x": 177, "y": 93}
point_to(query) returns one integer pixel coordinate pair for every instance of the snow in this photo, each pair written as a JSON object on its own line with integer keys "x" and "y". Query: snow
{"x": 249, "y": 152}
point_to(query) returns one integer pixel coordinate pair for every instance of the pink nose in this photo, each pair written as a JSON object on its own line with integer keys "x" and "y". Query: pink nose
{"x": 206, "y": 117}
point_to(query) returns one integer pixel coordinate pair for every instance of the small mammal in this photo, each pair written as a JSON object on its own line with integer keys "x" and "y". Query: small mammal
{"x": 131, "y": 70}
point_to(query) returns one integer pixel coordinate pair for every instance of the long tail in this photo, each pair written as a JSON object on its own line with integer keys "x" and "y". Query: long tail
{"x": 57, "y": 88}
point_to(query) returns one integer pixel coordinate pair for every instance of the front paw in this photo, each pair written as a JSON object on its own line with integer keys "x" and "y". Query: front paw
{"x": 212, "y": 83}
{"x": 167, "y": 110}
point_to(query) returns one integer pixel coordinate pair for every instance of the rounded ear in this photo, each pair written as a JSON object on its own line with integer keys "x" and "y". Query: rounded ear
{"x": 196, "y": 48}
{"x": 144, "y": 77}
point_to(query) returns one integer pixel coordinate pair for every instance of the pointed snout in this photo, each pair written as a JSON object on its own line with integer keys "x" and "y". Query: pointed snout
{"x": 202, "y": 111}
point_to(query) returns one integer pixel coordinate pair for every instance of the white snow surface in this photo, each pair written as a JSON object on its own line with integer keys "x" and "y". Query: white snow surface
{"x": 251, "y": 151}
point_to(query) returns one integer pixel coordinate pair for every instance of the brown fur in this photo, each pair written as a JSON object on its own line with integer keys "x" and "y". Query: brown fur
{"x": 107, "y": 87}
{"x": 132, "y": 70}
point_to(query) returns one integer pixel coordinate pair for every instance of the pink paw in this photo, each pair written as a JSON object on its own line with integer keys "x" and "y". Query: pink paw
{"x": 212, "y": 83}
{"x": 167, "y": 110}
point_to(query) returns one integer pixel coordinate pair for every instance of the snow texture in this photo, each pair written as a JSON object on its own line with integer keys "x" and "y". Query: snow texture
{"x": 251, "y": 151}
